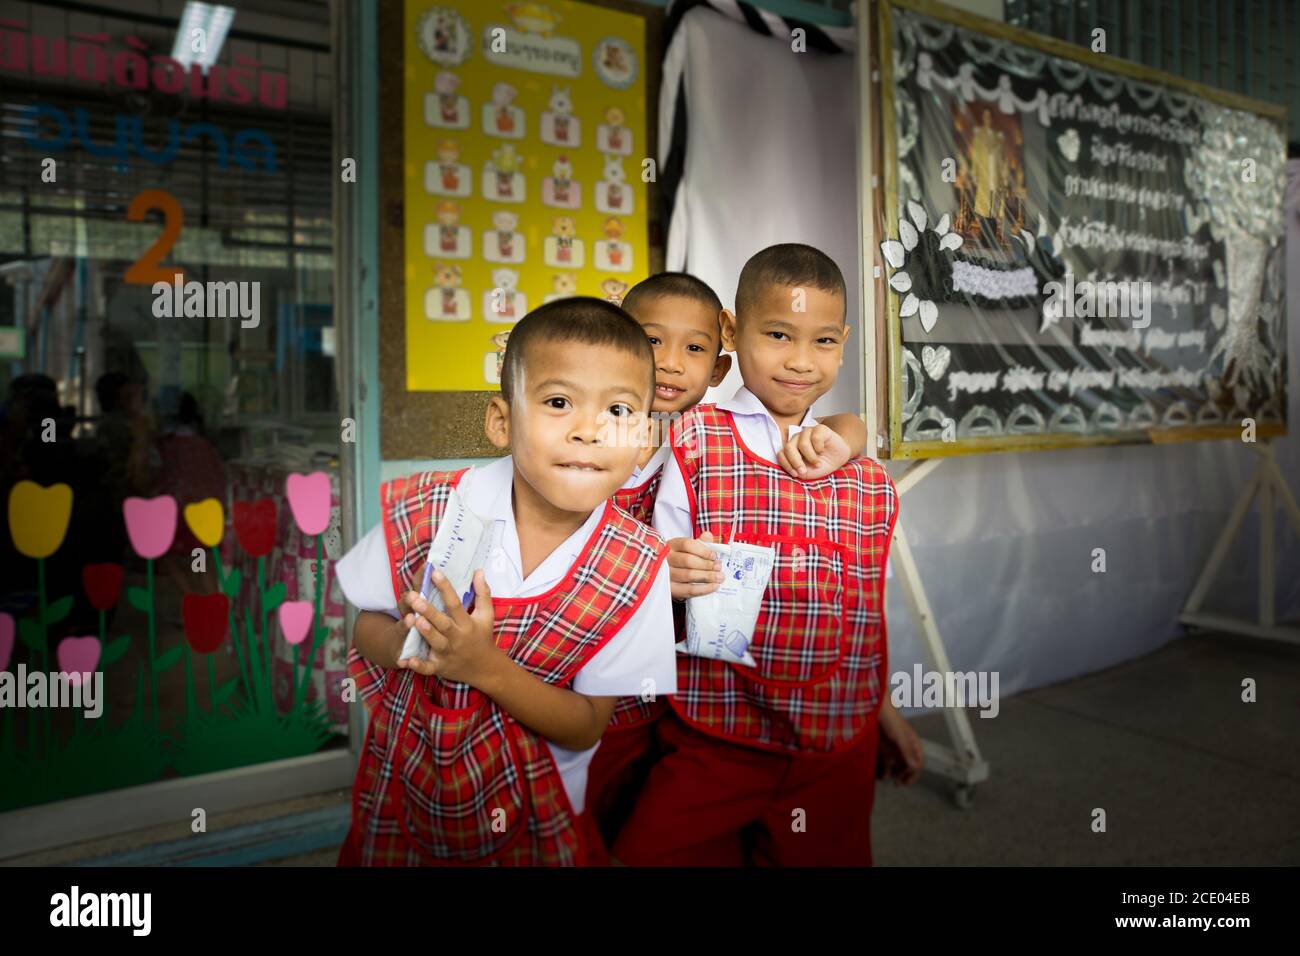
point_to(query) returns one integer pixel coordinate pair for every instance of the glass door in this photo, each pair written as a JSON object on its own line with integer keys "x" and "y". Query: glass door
{"x": 170, "y": 462}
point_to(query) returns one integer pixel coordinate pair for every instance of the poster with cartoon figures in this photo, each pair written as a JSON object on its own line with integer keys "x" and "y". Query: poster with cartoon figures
{"x": 524, "y": 142}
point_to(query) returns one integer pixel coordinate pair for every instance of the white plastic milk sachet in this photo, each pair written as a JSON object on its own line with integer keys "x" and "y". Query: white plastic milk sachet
{"x": 460, "y": 547}
{"x": 720, "y": 625}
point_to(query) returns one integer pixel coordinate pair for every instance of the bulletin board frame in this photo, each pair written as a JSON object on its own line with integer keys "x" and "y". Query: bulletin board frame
{"x": 449, "y": 425}
{"x": 889, "y": 393}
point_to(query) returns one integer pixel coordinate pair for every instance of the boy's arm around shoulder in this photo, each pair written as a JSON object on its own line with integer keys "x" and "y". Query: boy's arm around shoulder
{"x": 826, "y": 447}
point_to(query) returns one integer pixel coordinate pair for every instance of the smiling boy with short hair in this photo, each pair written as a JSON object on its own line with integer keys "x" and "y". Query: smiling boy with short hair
{"x": 749, "y": 753}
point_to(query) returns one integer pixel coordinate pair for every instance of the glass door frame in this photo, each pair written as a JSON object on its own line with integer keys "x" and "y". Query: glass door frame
{"x": 354, "y": 51}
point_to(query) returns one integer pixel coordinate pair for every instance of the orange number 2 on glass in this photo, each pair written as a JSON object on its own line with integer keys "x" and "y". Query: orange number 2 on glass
{"x": 146, "y": 270}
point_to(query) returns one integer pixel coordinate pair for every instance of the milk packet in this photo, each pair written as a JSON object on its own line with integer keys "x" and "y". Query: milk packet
{"x": 460, "y": 547}
{"x": 720, "y": 625}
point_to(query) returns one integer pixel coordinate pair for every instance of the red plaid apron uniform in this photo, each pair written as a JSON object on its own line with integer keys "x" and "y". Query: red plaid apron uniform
{"x": 819, "y": 643}
{"x": 628, "y": 742}
{"x": 448, "y": 777}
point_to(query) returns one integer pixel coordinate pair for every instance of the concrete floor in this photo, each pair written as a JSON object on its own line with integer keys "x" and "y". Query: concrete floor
{"x": 1186, "y": 772}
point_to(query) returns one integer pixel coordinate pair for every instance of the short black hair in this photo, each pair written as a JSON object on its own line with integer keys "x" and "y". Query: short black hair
{"x": 789, "y": 264}
{"x": 582, "y": 320}
{"x": 681, "y": 284}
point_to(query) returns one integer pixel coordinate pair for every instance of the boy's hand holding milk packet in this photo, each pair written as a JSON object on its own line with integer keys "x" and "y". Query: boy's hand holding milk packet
{"x": 720, "y": 625}
{"x": 460, "y": 547}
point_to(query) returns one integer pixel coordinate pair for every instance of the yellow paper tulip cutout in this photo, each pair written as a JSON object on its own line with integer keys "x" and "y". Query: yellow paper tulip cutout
{"x": 38, "y": 517}
{"x": 207, "y": 521}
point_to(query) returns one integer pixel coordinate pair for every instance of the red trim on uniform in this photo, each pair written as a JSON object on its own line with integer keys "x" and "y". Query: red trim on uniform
{"x": 750, "y": 453}
{"x": 690, "y": 491}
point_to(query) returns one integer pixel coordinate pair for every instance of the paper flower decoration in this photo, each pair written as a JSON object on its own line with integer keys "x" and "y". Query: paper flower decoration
{"x": 102, "y": 583}
{"x": 897, "y": 253}
{"x": 295, "y": 620}
{"x": 205, "y": 617}
{"x": 207, "y": 521}
{"x": 38, "y": 517}
{"x": 78, "y": 656}
{"x": 255, "y": 526}
{"x": 309, "y": 500}
{"x": 150, "y": 524}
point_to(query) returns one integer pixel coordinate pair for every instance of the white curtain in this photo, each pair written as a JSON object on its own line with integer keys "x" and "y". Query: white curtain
{"x": 1004, "y": 542}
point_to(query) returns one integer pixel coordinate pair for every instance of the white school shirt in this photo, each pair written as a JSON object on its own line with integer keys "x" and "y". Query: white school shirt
{"x": 642, "y": 649}
{"x": 760, "y": 433}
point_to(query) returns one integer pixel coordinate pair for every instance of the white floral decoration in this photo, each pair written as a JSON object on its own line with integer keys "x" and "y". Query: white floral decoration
{"x": 896, "y": 252}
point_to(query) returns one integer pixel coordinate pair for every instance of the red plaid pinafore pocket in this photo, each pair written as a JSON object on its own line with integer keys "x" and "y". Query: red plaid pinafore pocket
{"x": 799, "y": 636}
{"x": 462, "y": 790}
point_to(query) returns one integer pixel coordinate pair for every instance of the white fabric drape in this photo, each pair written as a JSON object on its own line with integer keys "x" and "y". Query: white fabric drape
{"x": 1004, "y": 542}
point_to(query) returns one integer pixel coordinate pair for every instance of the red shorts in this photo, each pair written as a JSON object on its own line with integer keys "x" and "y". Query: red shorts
{"x": 593, "y": 852}
{"x": 617, "y": 772}
{"x": 709, "y": 802}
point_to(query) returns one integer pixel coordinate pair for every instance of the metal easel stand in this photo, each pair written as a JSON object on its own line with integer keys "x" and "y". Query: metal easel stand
{"x": 961, "y": 762}
{"x": 1264, "y": 483}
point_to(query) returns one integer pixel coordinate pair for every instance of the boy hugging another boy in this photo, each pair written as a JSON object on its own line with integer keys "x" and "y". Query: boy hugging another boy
{"x": 776, "y": 763}
{"x": 681, "y": 316}
{"x": 478, "y": 752}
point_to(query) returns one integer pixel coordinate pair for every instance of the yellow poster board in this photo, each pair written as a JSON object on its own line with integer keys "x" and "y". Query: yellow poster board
{"x": 524, "y": 142}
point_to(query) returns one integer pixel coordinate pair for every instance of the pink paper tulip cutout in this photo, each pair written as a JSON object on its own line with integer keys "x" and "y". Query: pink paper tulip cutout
{"x": 295, "y": 619}
{"x": 150, "y": 524}
{"x": 309, "y": 500}
{"x": 77, "y": 656}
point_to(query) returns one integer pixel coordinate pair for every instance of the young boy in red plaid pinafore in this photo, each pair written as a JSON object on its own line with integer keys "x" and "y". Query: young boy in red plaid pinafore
{"x": 681, "y": 317}
{"x": 479, "y": 753}
{"x": 776, "y": 764}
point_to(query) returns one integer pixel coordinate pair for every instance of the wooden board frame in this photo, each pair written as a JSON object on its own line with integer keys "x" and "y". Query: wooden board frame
{"x": 443, "y": 425}
{"x": 890, "y": 392}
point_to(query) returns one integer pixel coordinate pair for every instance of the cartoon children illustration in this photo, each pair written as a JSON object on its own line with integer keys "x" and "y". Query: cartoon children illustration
{"x": 559, "y": 126}
{"x": 613, "y": 60}
{"x": 612, "y": 136}
{"x": 444, "y": 106}
{"x": 562, "y": 248}
{"x": 559, "y": 189}
{"x": 448, "y": 226}
{"x": 448, "y": 158}
{"x": 498, "y": 356}
{"x": 446, "y": 301}
{"x": 612, "y": 194}
{"x": 563, "y": 285}
{"x": 447, "y": 238}
{"x": 502, "y": 179}
{"x": 613, "y": 254}
{"x": 614, "y": 289}
{"x": 502, "y": 243}
{"x": 563, "y": 170}
{"x": 504, "y": 302}
{"x": 501, "y": 117}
